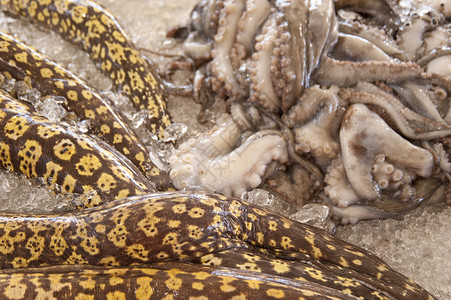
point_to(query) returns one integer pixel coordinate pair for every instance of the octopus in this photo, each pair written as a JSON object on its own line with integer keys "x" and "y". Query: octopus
{"x": 224, "y": 172}
{"x": 354, "y": 89}
{"x": 135, "y": 239}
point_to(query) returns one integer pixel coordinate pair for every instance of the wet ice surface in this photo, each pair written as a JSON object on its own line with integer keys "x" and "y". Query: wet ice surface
{"x": 20, "y": 194}
{"x": 418, "y": 246}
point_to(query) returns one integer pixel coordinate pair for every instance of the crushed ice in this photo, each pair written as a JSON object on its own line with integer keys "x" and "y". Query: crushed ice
{"x": 21, "y": 195}
{"x": 267, "y": 200}
{"x": 313, "y": 214}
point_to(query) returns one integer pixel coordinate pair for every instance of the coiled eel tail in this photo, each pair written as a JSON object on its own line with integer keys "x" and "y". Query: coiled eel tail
{"x": 94, "y": 29}
{"x": 22, "y": 62}
{"x": 68, "y": 160}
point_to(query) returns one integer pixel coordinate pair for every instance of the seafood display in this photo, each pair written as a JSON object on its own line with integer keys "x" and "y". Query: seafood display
{"x": 315, "y": 102}
{"x": 356, "y": 98}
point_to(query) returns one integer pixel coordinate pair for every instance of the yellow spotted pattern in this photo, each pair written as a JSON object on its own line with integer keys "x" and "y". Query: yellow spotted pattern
{"x": 174, "y": 280}
{"x": 67, "y": 160}
{"x": 141, "y": 230}
{"x": 96, "y": 31}
{"x": 21, "y": 61}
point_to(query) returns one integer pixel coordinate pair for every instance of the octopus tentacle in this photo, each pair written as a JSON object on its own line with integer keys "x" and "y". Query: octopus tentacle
{"x": 281, "y": 64}
{"x": 378, "y": 7}
{"x": 411, "y": 36}
{"x": 405, "y": 119}
{"x": 440, "y": 65}
{"x": 419, "y": 101}
{"x": 305, "y": 163}
{"x": 434, "y": 54}
{"x": 293, "y": 64}
{"x": 338, "y": 188}
{"x": 236, "y": 180}
{"x": 262, "y": 89}
{"x": 253, "y": 17}
{"x": 209, "y": 163}
{"x": 399, "y": 106}
{"x": 260, "y": 48}
{"x": 444, "y": 162}
{"x": 316, "y": 120}
{"x": 203, "y": 26}
{"x": 354, "y": 48}
{"x": 205, "y": 17}
{"x": 356, "y": 213}
{"x": 252, "y": 120}
{"x": 319, "y": 137}
{"x": 90, "y": 26}
{"x": 221, "y": 66}
{"x": 66, "y": 158}
{"x": 349, "y": 24}
{"x": 323, "y": 37}
{"x": 312, "y": 100}
{"x": 364, "y": 137}
{"x": 346, "y": 73}
{"x": 85, "y": 101}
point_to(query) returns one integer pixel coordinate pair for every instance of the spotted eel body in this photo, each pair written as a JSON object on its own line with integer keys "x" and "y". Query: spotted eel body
{"x": 157, "y": 281}
{"x": 97, "y": 32}
{"x": 64, "y": 157}
{"x": 22, "y": 62}
{"x": 174, "y": 226}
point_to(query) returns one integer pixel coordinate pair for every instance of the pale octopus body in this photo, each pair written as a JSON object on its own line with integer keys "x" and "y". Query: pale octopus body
{"x": 350, "y": 98}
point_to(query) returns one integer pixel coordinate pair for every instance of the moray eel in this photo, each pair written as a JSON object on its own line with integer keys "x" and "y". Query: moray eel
{"x": 65, "y": 158}
{"x": 270, "y": 262}
{"x": 96, "y": 31}
{"x": 157, "y": 281}
{"x": 21, "y": 62}
{"x": 175, "y": 226}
